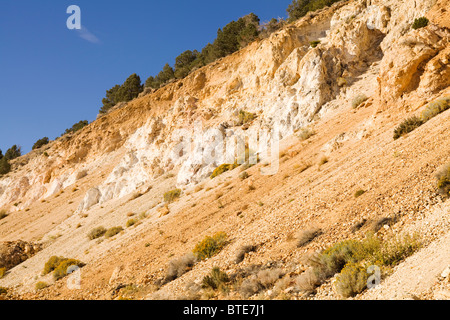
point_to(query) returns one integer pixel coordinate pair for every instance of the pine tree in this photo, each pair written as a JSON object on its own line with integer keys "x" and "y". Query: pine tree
{"x": 13, "y": 153}
{"x": 5, "y": 167}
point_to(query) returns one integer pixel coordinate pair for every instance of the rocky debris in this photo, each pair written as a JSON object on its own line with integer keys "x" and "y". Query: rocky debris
{"x": 13, "y": 253}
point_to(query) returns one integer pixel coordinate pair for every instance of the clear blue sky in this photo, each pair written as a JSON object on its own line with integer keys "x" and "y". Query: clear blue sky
{"x": 52, "y": 77}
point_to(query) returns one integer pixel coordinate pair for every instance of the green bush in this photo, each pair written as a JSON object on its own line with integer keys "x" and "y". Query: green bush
{"x": 96, "y": 233}
{"x": 435, "y": 108}
{"x": 210, "y": 246}
{"x": 420, "y": 23}
{"x": 61, "y": 271}
{"x": 443, "y": 182}
{"x": 111, "y": 232}
{"x": 171, "y": 196}
{"x": 5, "y": 167}
{"x": 223, "y": 168}
{"x": 407, "y": 126}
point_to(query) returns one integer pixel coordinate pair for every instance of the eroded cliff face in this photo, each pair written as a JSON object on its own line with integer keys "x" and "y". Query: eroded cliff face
{"x": 285, "y": 82}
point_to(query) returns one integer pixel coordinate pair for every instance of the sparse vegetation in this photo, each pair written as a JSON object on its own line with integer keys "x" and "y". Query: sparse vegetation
{"x": 2, "y": 272}
{"x": 3, "y": 290}
{"x": 111, "y": 232}
{"x": 128, "y": 91}
{"x": 96, "y": 233}
{"x": 443, "y": 181}
{"x": 324, "y": 160}
{"x": 407, "y": 126}
{"x": 262, "y": 280}
{"x": 351, "y": 257}
{"x": 358, "y": 100}
{"x": 210, "y": 246}
{"x": 244, "y": 175}
{"x": 420, "y": 23}
{"x": 172, "y": 195}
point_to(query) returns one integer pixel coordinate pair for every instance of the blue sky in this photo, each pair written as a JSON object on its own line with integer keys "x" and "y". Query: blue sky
{"x": 52, "y": 77}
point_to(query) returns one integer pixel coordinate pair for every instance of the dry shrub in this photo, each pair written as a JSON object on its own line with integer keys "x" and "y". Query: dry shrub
{"x": 96, "y": 233}
{"x": 217, "y": 279}
{"x": 307, "y": 282}
{"x": 179, "y": 266}
{"x": 306, "y": 236}
{"x": 443, "y": 183}
{"x": 172, "y": 195}
{"x": 111, "y": 232}
{"x": 306, "y": 133}
{"x": 407, "y": 126}
{"x": 210, "y": 246}
{"x": 358, "y": 100}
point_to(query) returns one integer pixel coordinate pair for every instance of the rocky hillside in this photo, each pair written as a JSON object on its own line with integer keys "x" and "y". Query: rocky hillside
{"x": 332, "y": 88}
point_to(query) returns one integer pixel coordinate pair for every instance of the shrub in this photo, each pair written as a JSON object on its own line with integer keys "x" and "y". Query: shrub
{"x": 128, "y": 91}
{"x": 2, "y": 272}
{"x": 352, "y": 280}
{"x": 41, "y": 285}
{"x": 131, "y": 223}
{"x": 314, "y": 44}
{"x": 61, "y": 271}
{"x": 179, "y": 266}
{"x": 52, "y": 264}
{"x": 443, "y": 183}
{"x": 323, "y": 161}
{"x": 40, "y": 143}
{"x": 306, "y": 236}
{"x": 215, "y": 280}
{"x": 111, "y": 232}
{"x": 359, "y": 193}
{"x": 210, "y": 246}
{"x": 306, "y": 133}
{"x": 13, "y": 152}
{"x": 299, "y": 8}
{"x": 420, "y": 23}
{"x": 407, "y": 126}
{"x": 243, "y": 251}
{"x": 244, "y": 175}
{"x": 5, "y": 167}
{"x": 3, "y": 214}
{"x": 358, "y": 100}
{"x": 96, "y": 233}
{"x": 436, "y": 107}
{"x": 77, "y": 126}
{"x": 245, "y": 117}
{"x": 223, "y": 168}
{"x": 172, "y": 195}
{"x": 3, "y": 290}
